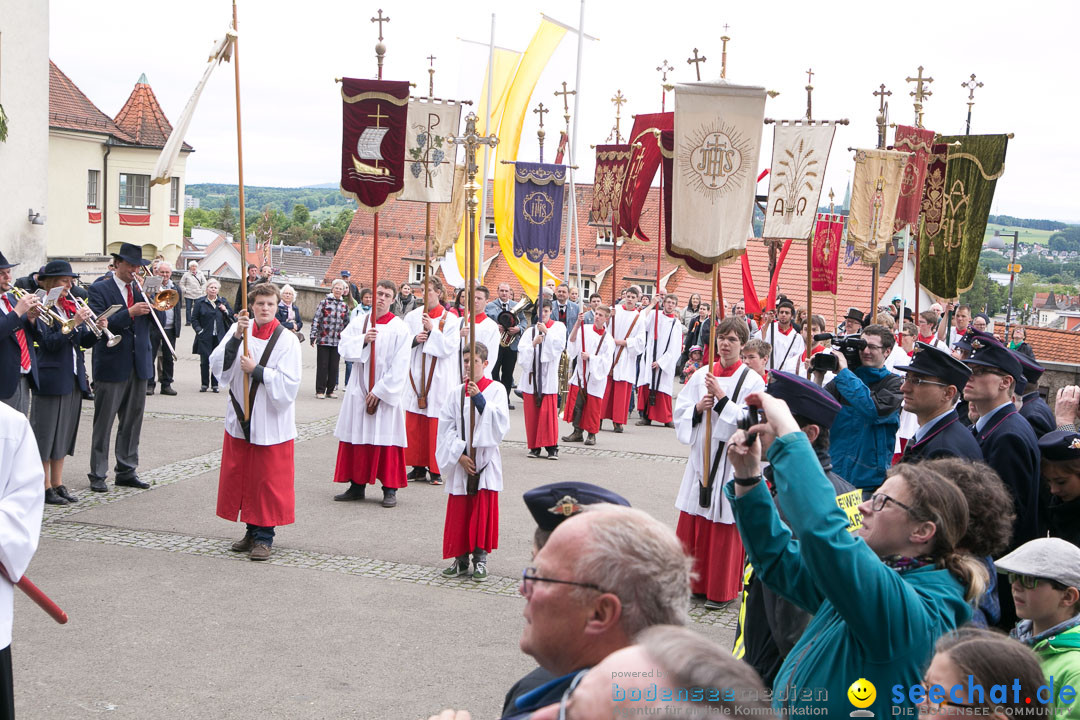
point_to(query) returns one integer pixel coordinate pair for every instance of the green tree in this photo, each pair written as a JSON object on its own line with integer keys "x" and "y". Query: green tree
{"x": 985, "y": 294}
{"x": 227, "y": 219}
{"x": 344, "y": 219}
{"x": 301, "y": 214}
{"x": 329, "y": 237}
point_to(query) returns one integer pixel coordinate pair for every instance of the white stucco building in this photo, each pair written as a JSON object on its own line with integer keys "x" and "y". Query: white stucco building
{"x": 99, "y": 177}
{"x": 24, "y": 97}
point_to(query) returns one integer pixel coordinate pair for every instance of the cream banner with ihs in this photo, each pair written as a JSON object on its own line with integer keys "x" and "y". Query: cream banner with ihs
{"x": 429, "y": 156}
{"x": 717, "y": 143}
{"x": 800, "y": 154}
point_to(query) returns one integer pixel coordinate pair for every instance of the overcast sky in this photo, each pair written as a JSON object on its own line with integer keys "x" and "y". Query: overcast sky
{"x": 291, "y": 52}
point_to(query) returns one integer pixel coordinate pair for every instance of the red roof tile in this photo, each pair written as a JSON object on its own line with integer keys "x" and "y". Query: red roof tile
{"x": 70, "y": 109}
{"x": 1060, "y": 346}
{"x": 143, "y": 119}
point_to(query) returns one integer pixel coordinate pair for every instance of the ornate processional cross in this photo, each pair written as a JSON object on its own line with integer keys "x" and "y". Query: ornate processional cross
{"x": 540, "y": 109}
{"x": 566, "y": 101}
{"x": 618, "y": 100}
{"x": 431, "y": 76}
{"x": 696, "y": 62}
{"x": 724, "y": 40}
{"x": 883, "y": 110}
{"x": 380, "y": 48}
{"x": 920, "y": 93}
{"x": 809, "y": 94}
{"x": 380, "y": 19}
{"x": 664, "y": 69}
{"x": 971, "y": 98}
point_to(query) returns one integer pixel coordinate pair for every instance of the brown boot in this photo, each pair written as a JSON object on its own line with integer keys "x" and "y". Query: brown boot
{"x": 591, "y": 440}
{"x": 261, "y": 551}
{"x": 243, "y": 544}
{"x": 574, "y": 436}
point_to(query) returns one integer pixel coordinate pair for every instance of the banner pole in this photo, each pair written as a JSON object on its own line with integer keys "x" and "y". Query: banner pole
{"x": 809, "y": 300}
{"x": 243, "y": 229}
{"x": 487, "y": 131}
{"x": 705, "y": 492}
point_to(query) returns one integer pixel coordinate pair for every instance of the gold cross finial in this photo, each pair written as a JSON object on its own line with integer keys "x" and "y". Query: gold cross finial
{"x": 540, "y": 109}
{"x": 971, "y": 85}
{"x": 431, "y": 76}
{"x": 380, "y": 19}
{"x": 618, "y": 99}
{"x": 565, "y": 100}
{"x": 471, "y": 141}
{"x": 809, "y": 76}
{"x": 664, "y": 69}
{"x": 809, "y": 94}
{"x": 724, "y": 39}
{"x": 920, "y": 93}
{"x": 696, "y": 62}
{"x": 883, "y": 111}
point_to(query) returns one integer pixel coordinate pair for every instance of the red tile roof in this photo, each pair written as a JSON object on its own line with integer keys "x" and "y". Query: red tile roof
{"x": 1060, "y": 346}
{"x": 143, "y": 119}
{"x": 70, "y": 109}
{"x": 401, "y": 240}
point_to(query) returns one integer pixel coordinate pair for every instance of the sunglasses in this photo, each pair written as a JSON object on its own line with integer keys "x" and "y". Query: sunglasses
{"x": 1030, "y": 582}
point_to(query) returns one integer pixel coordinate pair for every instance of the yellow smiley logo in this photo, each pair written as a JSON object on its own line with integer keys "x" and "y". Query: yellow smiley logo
{"x": 862, "y": 693}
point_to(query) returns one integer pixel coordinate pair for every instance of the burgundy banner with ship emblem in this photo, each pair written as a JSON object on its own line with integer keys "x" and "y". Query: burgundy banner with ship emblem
{"x": 825, "y": 257}
{"x": 608, "y": 181}
{"x": 375, "y": 114}
{"x": 644, "y": 161}
{"x": 918, "y": 141}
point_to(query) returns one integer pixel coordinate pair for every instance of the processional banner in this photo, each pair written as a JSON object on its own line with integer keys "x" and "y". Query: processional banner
{"x": 949, "y": 256}
{"x": 825, "y": 254}
{"x": 644, "y": 159}
{"x": 919, "y": 142}
{"x": 373, "y": 140}
{"x": 693, "y": 266}
{"x": 800, "y": 154}
{"x": 874, "y": 192}
{"x": 608, "y": 180}
{"x": 429, "y": 156}
{"x": 538, "y": 204}
{"x": 448, "y": 220}
{"x": 717, "y": 143}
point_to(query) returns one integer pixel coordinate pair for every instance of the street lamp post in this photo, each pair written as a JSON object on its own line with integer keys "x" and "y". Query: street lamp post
{"x": 1012, "y": 276}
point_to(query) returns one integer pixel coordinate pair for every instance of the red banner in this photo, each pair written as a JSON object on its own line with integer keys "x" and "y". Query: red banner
{"x": 644, "y": 161}
{"x": 917, "y": 141}
{"x": 94, "y": 216}
{"x": 137, "y": 219}
{"x": 750, "y": 298}
{"x": 611, "y": 161}
{"x": 933, "y": 196}
{"x": 174, "y": 221}
{"x": 826, "y": 252}
{"x": 375, "y": 114}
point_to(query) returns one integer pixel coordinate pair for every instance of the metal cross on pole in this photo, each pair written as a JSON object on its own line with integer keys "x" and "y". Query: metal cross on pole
{"x": 380, "y": 49}
{"x": 883, "y": 111}
{"x": 540, "y": 110}
{"x": 431, "y": 76}
{"x": 809, "y": 93}
{"x": 618, "y": 99}
{"x": 472, "y": 141}
{"x": 724, "y": 40}
{"x": 696, "y": 62}
{"x": 566, "y": 103}
{"x": 970, "y": 85}
{"x": 920, "y": 93}
{"x": 664, "y": 69}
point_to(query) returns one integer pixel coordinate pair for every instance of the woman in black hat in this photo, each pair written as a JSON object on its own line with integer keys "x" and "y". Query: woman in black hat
{"x": 54, "y": 413}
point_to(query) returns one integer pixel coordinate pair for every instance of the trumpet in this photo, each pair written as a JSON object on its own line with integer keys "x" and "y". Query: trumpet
{"x": 98, "y": 331}
{"x": 48, "y": 315}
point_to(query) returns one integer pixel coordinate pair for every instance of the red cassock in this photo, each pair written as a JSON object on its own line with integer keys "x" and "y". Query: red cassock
{"x": 616, "y": 405}
{"x": 256, "y": 483}
{"x": 661, "y": 411}
{"x": 717, "y": 550}
{"x": 541, "y": 424}
{"x": 422, "y": 432}
{"x": 590, "y": 416}
{"x": 472, "y": 521}
{"x": 364, "y": 464}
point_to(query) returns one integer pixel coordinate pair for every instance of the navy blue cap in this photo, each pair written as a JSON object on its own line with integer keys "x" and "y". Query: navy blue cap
{"x": 988, "y": 352}
{"x": 803, "y": 397}
{"x": 964, "y": 343}
{"x": 551, "y": 504}
{"x": 1060, "y": 445}
{"x": 935, "y": 362}
{"x": 1032, "y": 370}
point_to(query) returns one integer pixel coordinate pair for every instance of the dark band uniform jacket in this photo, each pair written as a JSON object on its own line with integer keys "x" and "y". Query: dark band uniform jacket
{"x": 9, "y": 349}
{"x": 114, "y": 364}
{"x": 947, "y": 437}
{"x": 1038, "y": 413}
{"x": 59, "y": 369}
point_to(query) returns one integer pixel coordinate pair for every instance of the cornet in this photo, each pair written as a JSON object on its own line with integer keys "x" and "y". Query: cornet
{"x": 92, "y": 322}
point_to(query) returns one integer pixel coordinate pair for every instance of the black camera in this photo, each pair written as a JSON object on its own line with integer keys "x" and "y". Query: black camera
{"x": 849, "y": 345}
{"x": 753, "y": 416}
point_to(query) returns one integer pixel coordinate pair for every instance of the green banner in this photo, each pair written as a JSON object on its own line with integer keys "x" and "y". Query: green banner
{"x": 956, "y": 205}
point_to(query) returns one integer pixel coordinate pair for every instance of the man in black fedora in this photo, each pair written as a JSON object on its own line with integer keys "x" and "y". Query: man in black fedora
{"x": 932, "y": 385}
{"x": 18, "y": 331}
{"x": 121, "y": 372}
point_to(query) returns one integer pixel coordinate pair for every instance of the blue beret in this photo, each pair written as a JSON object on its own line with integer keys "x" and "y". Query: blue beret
{"x": 1060, "y": 445}
{"x": 803, "y": 397}
{"x": 934, "y": 362}
{"x": 551, "y": 504}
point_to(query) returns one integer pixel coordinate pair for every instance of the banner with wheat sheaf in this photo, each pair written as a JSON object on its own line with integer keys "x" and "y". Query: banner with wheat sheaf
{"x": 800, "y": 154}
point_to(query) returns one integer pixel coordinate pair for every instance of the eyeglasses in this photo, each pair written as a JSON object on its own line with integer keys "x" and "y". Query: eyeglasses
{"x": 915, "y": 380}
{"x": 874, "y": 347}
{"x": 570, "y": 691}
{"x": 879, "y": 500}
{"x": 1028, "y": 582}
{"x": 927, "y": 686}
{"x": 529, "y": 576}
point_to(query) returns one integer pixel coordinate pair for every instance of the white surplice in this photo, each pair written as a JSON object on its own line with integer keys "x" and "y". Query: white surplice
{"x": 22, "y": 501}
{"x": 787, "y": 349}
{"x": 668, "y": 350}
{"x": 489, "y": 333}
{"x": 491, "y": 427}
{"x": 550, "y": 351}
{"x": 601, "y": 350}
{"x": 440, "y": 349}
{"x": 625, "y": 369}
{"x": 392, "y": 346}
{"x": 723, "y": 427}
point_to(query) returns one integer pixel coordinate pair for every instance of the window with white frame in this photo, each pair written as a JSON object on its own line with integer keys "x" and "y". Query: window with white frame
{"x": 646, "y": 287}
{"x": 491, "y": 228}
{"x": 588, "y": 287}
{"x": 603, "y": 237}
{"x": 134, "y": 192}
{"x": 92, "y": 188}
{"x": 416, "y": 272}
{"x": 174, "y": 196}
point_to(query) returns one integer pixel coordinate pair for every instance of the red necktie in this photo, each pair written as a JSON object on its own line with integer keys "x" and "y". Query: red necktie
{"x": 131, "y": 296}
{"x": 20, "y": 335}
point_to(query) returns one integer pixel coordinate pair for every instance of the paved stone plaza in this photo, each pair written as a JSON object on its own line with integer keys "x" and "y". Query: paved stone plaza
{"x": 349, "y": 619}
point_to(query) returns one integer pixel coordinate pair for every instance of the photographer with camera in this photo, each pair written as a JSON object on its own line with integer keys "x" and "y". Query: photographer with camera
{"x": 864, "y": 433}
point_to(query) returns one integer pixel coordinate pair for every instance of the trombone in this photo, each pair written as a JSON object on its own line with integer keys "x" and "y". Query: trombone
{"x": 71, "y": 324}
{"x": 164, "y": 300}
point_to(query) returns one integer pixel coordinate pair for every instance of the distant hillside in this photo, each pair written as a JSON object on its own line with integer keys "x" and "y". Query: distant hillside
{"x": 213, "y": 196}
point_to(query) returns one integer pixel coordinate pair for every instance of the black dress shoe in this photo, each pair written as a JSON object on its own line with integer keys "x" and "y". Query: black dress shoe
{"x": 167, "y": 390}
{"x": 53, "y": 498}
{"x": 63, "y": 492}
{"x": 149, "y": 389}
{"x": 98, "y": 484}
{"x": 132, "y": 481}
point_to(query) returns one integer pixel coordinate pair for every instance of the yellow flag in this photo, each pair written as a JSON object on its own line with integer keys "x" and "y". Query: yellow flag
{"x": 532, "y": 64}
{"x": 505, "y": 63}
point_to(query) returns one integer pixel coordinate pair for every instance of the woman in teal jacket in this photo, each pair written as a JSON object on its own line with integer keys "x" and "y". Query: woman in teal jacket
{"x": 880, "y": 597}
